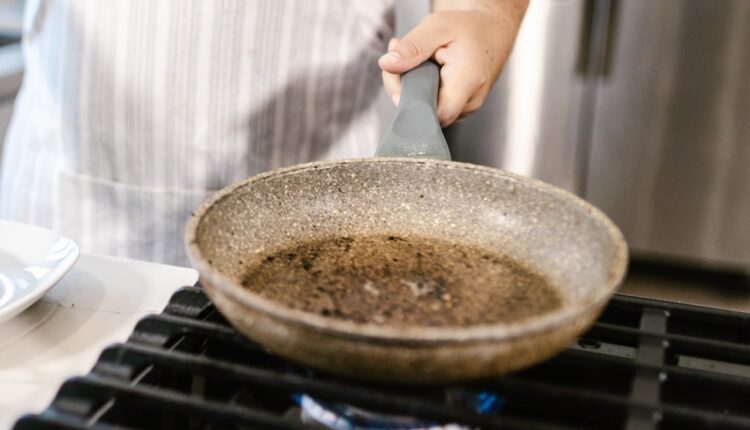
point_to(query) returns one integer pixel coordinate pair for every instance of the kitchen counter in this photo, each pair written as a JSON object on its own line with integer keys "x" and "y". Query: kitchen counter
{"x": 96, "y": 304}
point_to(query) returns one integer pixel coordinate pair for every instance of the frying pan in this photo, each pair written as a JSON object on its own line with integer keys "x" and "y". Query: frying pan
{"x": 411, "y": 188}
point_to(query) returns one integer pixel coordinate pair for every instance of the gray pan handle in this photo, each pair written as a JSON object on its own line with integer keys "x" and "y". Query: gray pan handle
{"x": 415, "y": 131}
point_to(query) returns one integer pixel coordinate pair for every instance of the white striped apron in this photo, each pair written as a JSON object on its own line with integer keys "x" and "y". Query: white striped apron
{"x": 134, "y": 111}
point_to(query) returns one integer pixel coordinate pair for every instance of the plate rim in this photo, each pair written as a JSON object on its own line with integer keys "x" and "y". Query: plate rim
{"x": 49, "y": 280}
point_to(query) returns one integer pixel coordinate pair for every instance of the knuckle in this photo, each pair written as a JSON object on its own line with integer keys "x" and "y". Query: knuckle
{"x": 472, "y": 107}
{"x": 478, "y": 101}
{"x": 479, "y": 80}
{"x": 412, "y": 48}
{"x": 448, "y": 116}
{"x": 468, "y": 112}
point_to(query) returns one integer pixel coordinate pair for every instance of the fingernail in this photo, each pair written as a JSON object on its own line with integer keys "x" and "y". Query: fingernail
{"x": 392, "y": 56}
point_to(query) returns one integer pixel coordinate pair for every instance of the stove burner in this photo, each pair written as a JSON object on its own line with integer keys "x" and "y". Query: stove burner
{"x": 346, "y": 417}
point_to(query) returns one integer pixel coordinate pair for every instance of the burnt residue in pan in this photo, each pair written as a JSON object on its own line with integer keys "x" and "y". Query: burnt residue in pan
{"x": 402, "y": 280}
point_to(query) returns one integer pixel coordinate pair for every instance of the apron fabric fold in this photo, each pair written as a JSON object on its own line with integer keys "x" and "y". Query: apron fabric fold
{"x": 133, "y": 112}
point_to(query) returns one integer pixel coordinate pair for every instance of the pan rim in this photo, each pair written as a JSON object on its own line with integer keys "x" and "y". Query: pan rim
{"x": 410, "y": 334}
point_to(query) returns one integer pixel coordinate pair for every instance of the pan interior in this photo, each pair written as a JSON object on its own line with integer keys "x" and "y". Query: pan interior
{"x": 460, "y": 212}
{"x": 401, "y": 280}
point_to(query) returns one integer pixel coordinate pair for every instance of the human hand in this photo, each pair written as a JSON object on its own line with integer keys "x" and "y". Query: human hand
{"x": 470, "y": 39}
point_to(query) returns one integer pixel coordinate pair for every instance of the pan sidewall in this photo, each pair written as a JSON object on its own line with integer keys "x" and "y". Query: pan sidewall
{"x": 403, "y": 362}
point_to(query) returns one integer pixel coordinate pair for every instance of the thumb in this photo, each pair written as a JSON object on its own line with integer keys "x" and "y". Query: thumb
{"x": 415, "y": 48}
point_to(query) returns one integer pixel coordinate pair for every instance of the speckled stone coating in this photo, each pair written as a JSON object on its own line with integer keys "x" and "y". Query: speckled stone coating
{"x": 573, "y": 244}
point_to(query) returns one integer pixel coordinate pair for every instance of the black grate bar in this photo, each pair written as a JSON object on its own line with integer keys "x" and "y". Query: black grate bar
{"x": 728, "y": 349}
{"x": 646, "y": 386}
{"x": 640, "y": 303}
{"x": 369, "y": 398}
{"x": 178, "y": 401}
{"x": 189, "y": 301}
{"x": 157, "y": 329}
{"x": 644, "y": 408}
{"x": 349, "y": 393}
{"x": 61, "y": 421}
{"x": 573, "y": 356}
{"x": 595, "y": 400}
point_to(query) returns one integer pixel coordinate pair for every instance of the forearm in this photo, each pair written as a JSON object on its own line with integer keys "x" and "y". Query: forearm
{"x": 510, "y": 9}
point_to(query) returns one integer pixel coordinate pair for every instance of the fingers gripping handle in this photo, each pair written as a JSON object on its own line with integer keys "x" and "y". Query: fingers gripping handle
{"x": 415, "y": 130}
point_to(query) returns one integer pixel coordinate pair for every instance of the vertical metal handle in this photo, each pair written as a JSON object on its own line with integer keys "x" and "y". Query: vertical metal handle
{"x": 595, "y": 54}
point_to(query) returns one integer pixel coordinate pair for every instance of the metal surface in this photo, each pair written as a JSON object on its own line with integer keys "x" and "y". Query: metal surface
{"x": 550, "y": 231}
{"x": 186, "y": 368}
{"x": 686, "y": 284}
{"x": 594, "y": 60}
{"x": 640, "y": 106}
{"x": 529, "y": 123}
{"x": 671, "y": 144}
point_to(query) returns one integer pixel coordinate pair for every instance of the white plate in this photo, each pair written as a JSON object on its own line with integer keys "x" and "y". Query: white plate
{"x": 32, "y": 260}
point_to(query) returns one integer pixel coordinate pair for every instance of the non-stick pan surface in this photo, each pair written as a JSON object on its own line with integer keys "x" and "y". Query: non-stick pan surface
{"x": 546, "y": 229}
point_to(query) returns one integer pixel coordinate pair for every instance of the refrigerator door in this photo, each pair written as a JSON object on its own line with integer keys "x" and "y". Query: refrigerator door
{"x": 529, "y": 123}
{"x": 670, "y": 146}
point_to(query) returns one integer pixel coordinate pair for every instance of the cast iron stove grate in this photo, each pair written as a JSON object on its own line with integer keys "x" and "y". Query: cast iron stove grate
{"x": 645, "y": 364}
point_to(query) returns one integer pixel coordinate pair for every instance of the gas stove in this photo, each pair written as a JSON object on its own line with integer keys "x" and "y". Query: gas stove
{"x": 645, "y": 364}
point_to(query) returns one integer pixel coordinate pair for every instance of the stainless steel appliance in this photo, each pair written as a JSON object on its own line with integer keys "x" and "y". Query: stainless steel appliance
{"x": 642, "y": 107}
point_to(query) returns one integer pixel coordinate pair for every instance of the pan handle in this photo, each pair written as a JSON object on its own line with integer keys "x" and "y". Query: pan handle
{"x": 415, "y": 131}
